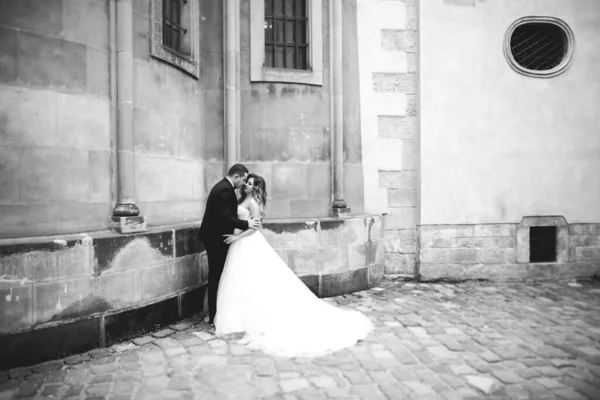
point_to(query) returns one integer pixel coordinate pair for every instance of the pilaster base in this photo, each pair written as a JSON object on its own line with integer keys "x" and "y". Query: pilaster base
{"x": 340, "y": 212}
{"x": 126, "y": 210}
{"x": 126, "y": 225}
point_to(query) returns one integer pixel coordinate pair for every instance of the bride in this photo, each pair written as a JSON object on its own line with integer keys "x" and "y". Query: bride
{"x": 262, "y": 297}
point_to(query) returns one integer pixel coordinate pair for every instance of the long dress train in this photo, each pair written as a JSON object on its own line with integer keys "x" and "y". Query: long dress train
{"x": 261, "y": 296}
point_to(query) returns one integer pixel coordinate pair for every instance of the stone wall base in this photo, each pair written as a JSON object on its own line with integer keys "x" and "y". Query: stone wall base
{"x": 98, "y": 288}
{"x": 76, "y": 336}
{"x": 501, "y": 251}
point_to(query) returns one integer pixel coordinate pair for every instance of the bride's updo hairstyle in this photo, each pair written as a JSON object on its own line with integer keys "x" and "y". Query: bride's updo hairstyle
{"x": 259, "y": 192}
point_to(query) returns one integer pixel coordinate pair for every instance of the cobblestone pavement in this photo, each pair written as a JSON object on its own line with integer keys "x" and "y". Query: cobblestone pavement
{"x": 432, "y": 341}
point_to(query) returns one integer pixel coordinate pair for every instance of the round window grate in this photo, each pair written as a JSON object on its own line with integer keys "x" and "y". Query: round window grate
{"x": 539, "y": 46}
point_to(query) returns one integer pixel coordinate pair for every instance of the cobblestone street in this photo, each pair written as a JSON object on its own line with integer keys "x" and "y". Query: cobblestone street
{"x": 432, "y": 341}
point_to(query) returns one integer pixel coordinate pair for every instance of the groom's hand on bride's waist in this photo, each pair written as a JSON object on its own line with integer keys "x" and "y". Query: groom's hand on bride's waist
{"x": 254, "y": 224}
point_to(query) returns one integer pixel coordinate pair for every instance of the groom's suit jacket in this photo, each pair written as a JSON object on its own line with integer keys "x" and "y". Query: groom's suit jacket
{"x": 220, "y": 216}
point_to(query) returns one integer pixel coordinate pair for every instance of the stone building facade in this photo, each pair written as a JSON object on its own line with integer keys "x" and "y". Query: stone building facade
{"x": 118, "y": 116}
{"x": 396, "y": 136}
{"x": 484, "y": 168}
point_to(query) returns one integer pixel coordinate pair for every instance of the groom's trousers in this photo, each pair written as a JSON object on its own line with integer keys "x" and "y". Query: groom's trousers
{"x": 216, "y": 253}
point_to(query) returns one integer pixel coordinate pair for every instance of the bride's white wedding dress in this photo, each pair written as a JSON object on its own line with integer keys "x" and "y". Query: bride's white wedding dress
{"x": 261, "y": 296}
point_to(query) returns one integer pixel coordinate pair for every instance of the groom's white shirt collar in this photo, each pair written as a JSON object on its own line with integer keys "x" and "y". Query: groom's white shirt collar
{"x": 229, "y": 179}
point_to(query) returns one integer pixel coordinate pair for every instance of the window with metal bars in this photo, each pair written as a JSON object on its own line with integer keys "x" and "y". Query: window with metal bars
{"x": 173, "y": 30}
{"x": 538, "y": 46}
{"x": 542, "y": 244}
{"x": 286, "y": 34}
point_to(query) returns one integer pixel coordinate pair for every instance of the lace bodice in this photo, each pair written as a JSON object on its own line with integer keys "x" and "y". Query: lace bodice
{"x": 243, "y": 213}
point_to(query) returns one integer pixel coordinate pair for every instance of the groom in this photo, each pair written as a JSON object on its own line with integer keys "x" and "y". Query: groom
{"x": 220, "y": 218}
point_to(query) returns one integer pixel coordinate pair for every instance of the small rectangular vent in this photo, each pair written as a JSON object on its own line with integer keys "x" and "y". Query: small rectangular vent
{"x": 542, "y": 244}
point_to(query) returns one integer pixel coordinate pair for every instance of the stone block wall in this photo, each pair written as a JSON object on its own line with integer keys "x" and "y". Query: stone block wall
{"x": 61, "y": 278}
{"x": 389, "y": 82}
{"x": 286, "y": 129}
{"x": 55, "y": 154}
{"x": 96, "y": 289}
{"x": 584, "y": 242}
{"x": 178, "y": 122}
{"x": 331, "y": 256}
{"x": 57, "y": 279}
{"x": 501, "y": 251}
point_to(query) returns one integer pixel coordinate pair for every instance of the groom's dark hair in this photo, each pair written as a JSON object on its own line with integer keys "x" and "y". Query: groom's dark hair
{"x": 239, "y": 169}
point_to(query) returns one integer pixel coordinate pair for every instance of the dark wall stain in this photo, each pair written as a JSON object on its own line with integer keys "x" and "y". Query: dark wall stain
{"x": 105, "y": 249}
{"x": 369, "y": 222}
{"x": 11, "y": 249}
{"x": 187, "y": 242}
{"x": 331, "y": 225}
{"x": 289, "y": 227}
{"x": 50, "y": 343}
{"x": 91, "y": 304}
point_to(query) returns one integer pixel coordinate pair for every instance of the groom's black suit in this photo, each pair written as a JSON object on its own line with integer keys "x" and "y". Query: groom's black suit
{"x": 220, "y": 218}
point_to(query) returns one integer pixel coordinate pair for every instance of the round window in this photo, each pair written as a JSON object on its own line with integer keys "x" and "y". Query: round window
{"x": 539, "y": 46}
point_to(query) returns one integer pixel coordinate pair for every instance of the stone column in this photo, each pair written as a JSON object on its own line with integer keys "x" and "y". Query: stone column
{"x": 125, "y": 213}
{"x": 338, "y": 206}
{"x": 231, "y": 48}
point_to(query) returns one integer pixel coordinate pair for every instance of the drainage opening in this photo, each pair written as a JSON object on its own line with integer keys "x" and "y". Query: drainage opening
{"x": 542, "y": 244}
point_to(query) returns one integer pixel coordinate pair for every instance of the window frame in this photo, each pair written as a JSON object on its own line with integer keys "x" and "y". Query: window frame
{"x": 313, "y": 75}
{"x": 560, "y": 68}
{"x": 174, "y": 25}
{"x": 188, "y": 63}
{"x": 562, "y": 238}
{"x": 295, "y": 44}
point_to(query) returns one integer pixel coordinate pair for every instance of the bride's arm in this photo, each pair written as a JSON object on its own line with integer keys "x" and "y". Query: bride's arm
{"x": 254, "y": 210}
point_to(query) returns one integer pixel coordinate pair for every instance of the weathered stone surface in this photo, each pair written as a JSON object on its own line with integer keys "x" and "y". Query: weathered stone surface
{"x": 473, "y": 242}
{"x": 394, "y": 82}
{"x": 435, "y": 255}
{"x": 584, "y": 229}
{"x": 115, "y": 252}
{"x": 62, "y": 300}
{"x": 402, "y": 241}
{"x": 464, "y": 256}
{"x": 46, "y": 258}
{"x": 283, "y": 174}
{"x": 403, "y": 197}
{"x": 10, "y": 164}
{"x": 168, "y": 278}
{"x": 154, "y": 180}
{"x": 494, "y": 230}
{"x": 15, "y": 307}
{"x": 498, "y": 256}
{"x": 401, "y": 218}
{"x": 74, "y": 112}
{"x": 100, "y": 173}
{"x": 51, "y": 62}
{"x": 397, "y": 179}
{"x": 446, "y": 231}
{"x": 400, "y": 263}
{"x": 128, "y": 225}
{"x": 52, "y": 174}
{"x": 29, "y": 115}
{"x": 395, "y": 127}
{"x": 398, "y": 40}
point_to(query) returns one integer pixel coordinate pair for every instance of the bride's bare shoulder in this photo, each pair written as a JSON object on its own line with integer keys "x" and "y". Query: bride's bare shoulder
{"x": 254, "y": 206}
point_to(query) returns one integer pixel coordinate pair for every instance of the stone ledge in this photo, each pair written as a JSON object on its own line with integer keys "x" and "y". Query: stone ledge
{"x": 469, "y": 249}
{"x": 512, "y": 271}
{"x": 65, "y": 279}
